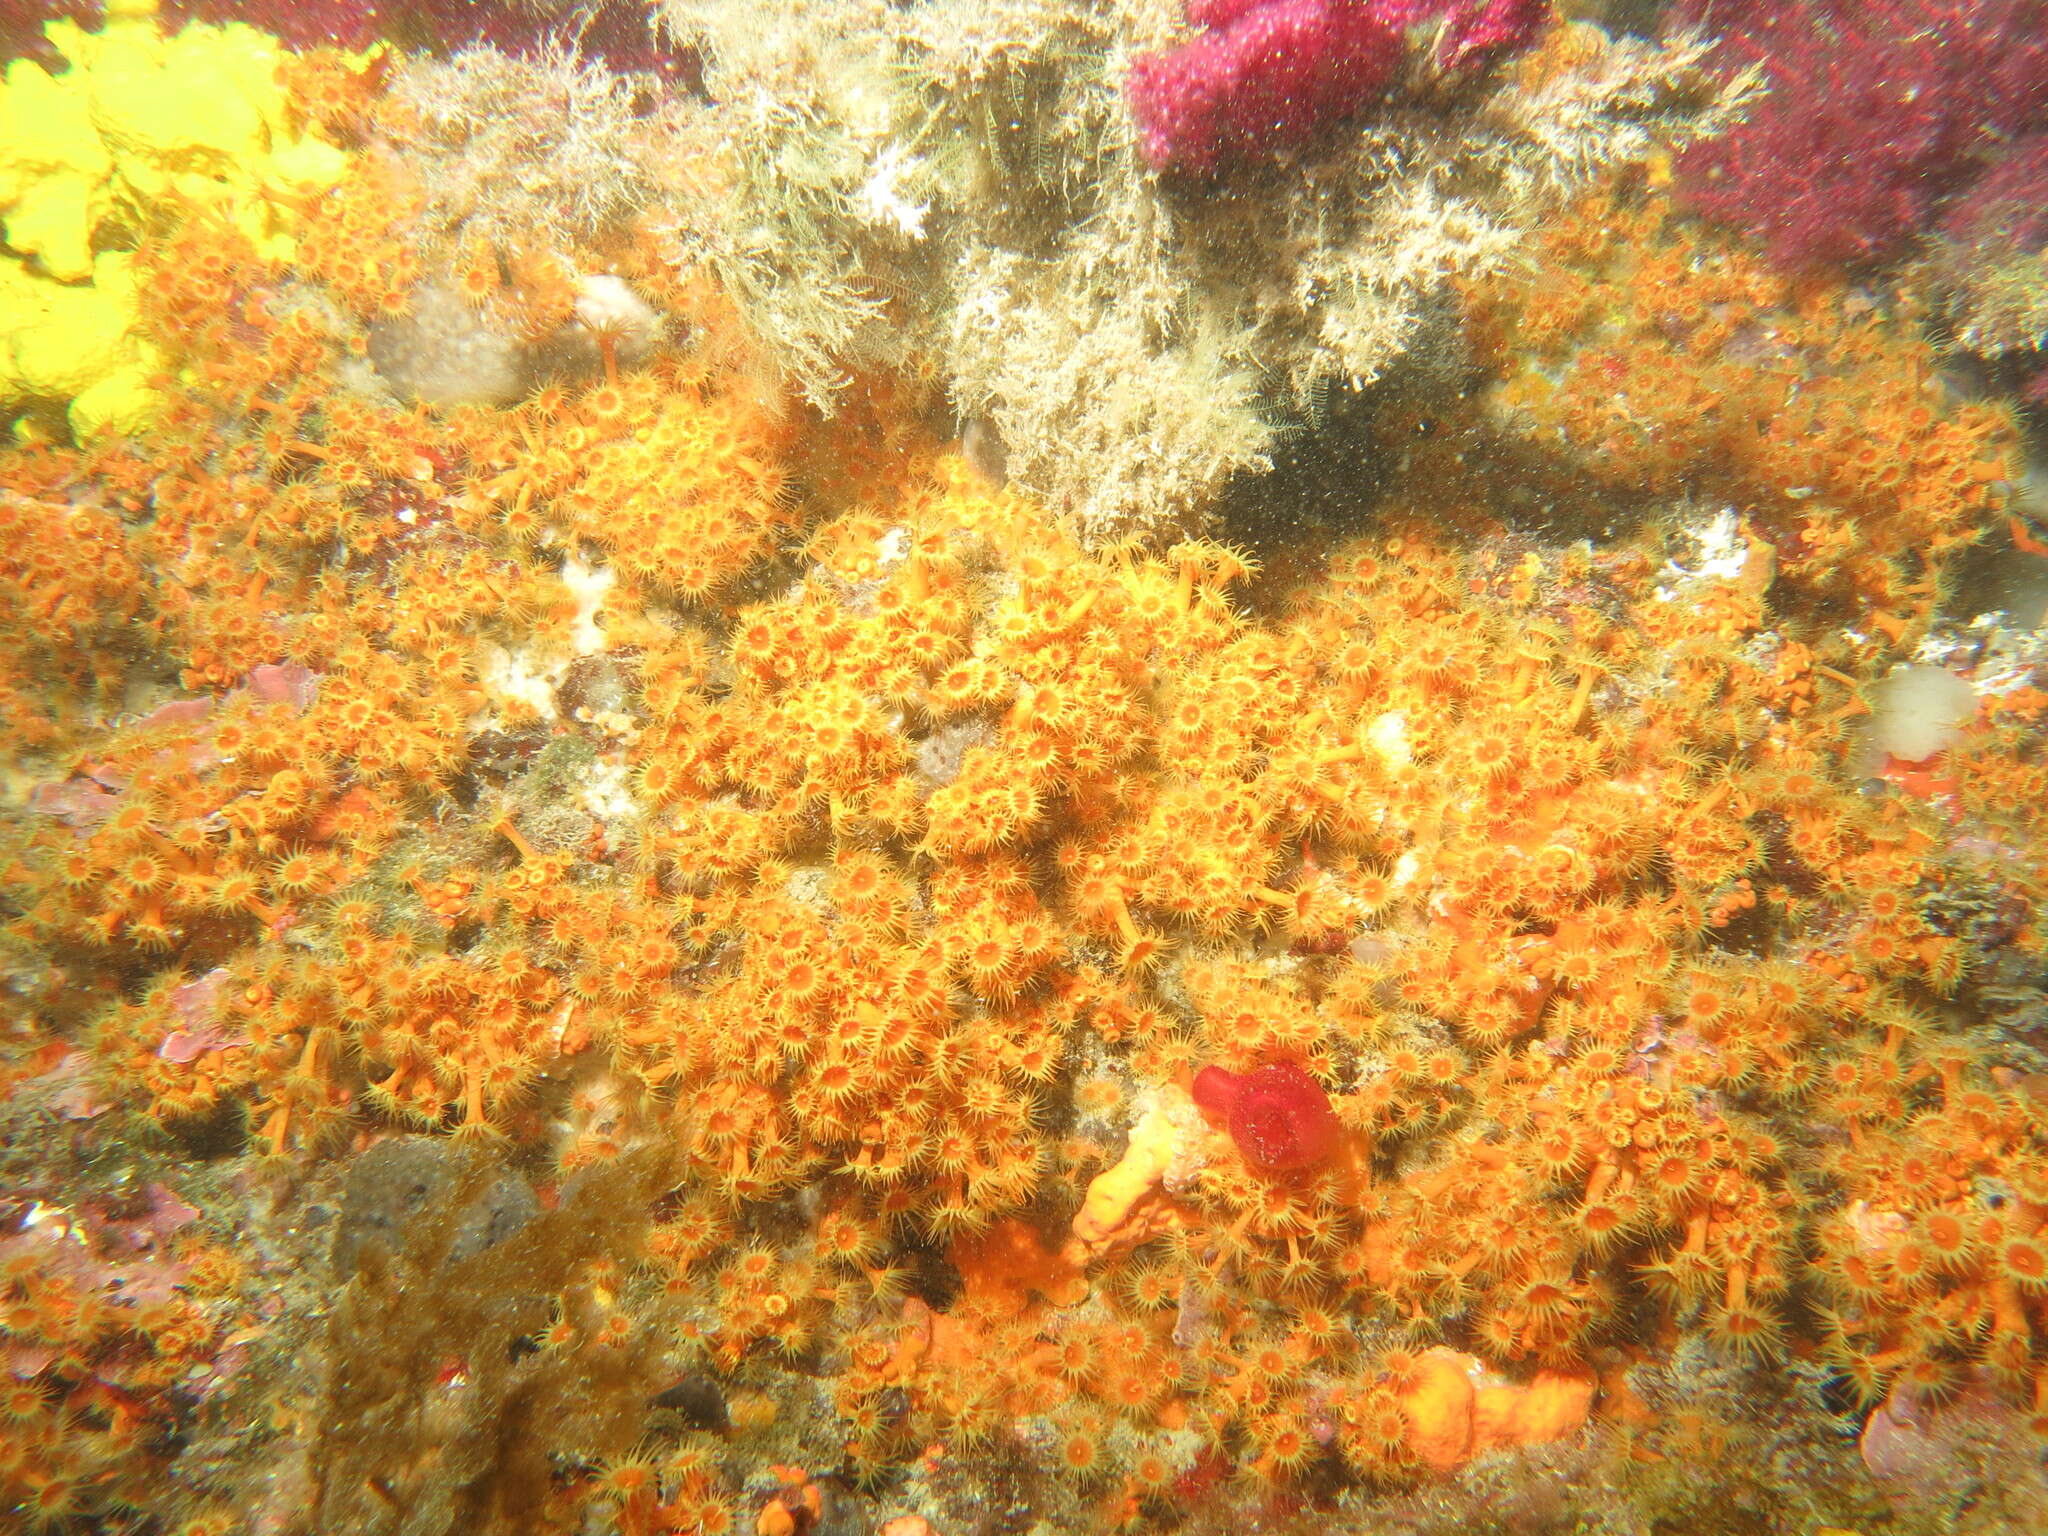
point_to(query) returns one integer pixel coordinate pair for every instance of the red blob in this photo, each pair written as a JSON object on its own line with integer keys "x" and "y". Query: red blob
{"x": 1261, "y": 75}
{"x": 1277, "y": 1114}
{"x": 1265, "y": 74}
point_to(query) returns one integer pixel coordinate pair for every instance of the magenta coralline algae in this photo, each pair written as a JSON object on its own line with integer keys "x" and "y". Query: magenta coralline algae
{"x": 1482, "y": 29}
{"x": 1262, "y": 77}
{"x": 1879, "y": 112}
{"x": 1271, "y": 74}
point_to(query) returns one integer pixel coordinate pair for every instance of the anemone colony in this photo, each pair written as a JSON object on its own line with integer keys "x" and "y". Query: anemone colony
{"x": 611, "y": 925}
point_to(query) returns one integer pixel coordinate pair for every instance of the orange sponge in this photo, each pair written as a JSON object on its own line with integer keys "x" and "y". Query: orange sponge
{"x": 1457, "y": 1409}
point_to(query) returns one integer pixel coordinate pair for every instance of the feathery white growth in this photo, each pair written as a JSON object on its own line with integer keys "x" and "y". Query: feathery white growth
{"x": 953, "y": 189}
{"x": 881, "y": 198}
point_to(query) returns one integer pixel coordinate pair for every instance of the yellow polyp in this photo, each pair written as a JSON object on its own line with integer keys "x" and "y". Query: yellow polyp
{"x": 1120, "y": 912}
{"x": 275, "y": 1127}
{"x": 1582, "y": 695}
{"x": 1079, "y": 608}
{"x": 505, "y": 828}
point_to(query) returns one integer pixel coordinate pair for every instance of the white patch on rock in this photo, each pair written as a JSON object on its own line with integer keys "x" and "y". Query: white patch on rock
{"x": 1388, "y": 736}
{"x": 519, "y": 678}
{"x": 607, "y": 305}
{"x": 607, "y": 791}
{"x": 881, "y": 200}
{"x": 589, "y": 584}
{"x": 1713, "y": 550}
{"x": 527, "y": 677}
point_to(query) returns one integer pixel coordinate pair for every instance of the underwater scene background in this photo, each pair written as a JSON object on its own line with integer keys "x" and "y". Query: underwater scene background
{"x": 1006, "y": 767}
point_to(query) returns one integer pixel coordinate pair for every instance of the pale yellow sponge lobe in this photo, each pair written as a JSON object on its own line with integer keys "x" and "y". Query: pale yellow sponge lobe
{"x": 1108, "y": 1211}
{"x": 141, "y": 130}
{"x": 52, "y": 166}
{"x": 79, "y": 343}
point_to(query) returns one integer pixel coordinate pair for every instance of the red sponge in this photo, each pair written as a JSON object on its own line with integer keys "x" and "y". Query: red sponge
{"x": 1277, "y": 1114}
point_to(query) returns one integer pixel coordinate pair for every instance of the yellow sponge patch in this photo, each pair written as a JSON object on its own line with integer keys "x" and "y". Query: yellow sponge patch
{"x": 142, "y": 131}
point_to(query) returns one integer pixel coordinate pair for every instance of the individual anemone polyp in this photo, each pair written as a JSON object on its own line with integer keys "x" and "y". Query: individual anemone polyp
{"x": 1277, "y": 1114}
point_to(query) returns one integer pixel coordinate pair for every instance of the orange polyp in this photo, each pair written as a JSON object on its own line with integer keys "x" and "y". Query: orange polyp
{"x": 1601, "y": 1178}
{"x": 505, "y": 828}
{"x": 274, "y": 1129}
{"x": 868, "y": 948}
{"x": 1736, "y": 1290}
